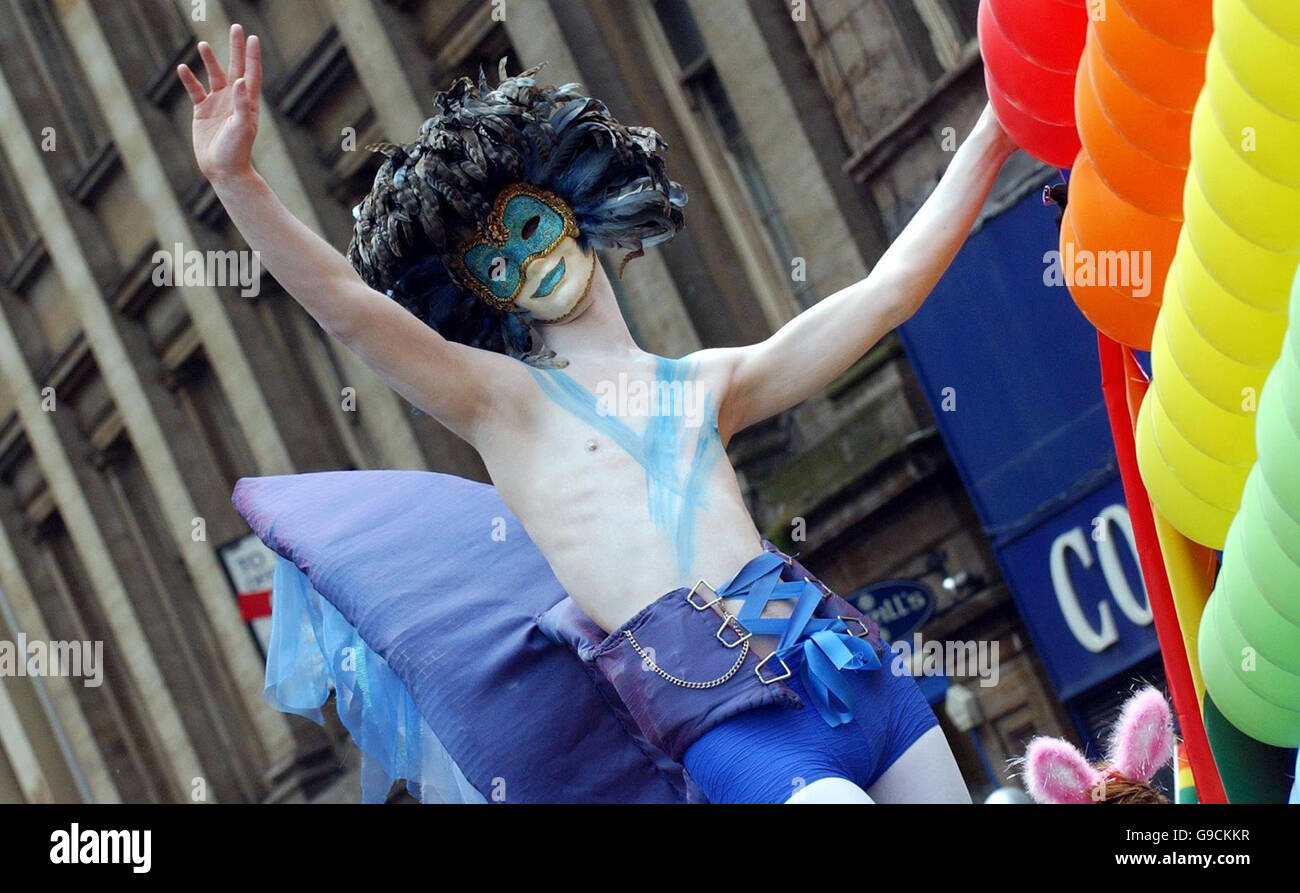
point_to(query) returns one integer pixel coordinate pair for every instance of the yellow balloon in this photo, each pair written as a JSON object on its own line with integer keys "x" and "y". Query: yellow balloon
{"x": 1282, "y": 16}
{"x": 1242, "y": 331}
{"x": 1269, "y": 138}
{"x": 1256, "y": 275}
{"x": 1204, "y": 477}
{"x": 1190, "y": 410}
{"x": 1232, "y": 385}
{"x": 1193, "y": 517}
{"x": 1259, "y": 207}
{"x": 1266, "y": 63}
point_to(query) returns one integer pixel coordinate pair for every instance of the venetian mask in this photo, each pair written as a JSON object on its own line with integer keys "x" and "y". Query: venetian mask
{"x": 526, "y": 256}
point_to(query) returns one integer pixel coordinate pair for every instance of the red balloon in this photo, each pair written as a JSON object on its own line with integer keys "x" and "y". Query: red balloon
{"x": 1055, "y": 144}
{"x": 1031, "y": 52}
{"x": 1046, "y": 94}
{"x": 1028, "y": 25}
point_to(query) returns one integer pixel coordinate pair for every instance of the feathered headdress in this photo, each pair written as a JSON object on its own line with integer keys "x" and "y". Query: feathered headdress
{"x": 430, "y": 195}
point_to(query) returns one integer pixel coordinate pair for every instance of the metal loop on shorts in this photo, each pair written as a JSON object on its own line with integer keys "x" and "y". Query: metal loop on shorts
{"x": 729, "y": 621}
{"x": 768, "y": 680}
{"x": 866, "y": 631}
{"x": 690, "y": 596}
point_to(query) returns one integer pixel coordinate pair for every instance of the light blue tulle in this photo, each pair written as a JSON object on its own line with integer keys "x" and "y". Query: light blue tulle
{"x": 313, "y": 649}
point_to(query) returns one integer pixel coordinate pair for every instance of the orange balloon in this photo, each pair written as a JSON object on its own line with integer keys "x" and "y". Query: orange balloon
{"x": 1105, "y": 221}
{"x": 1102, "y": 225}
{"x": 1184, "y": 23}
{"x": 1125, "y": 319}
{"x": 1169, "y": 75}
{"x": 1159, "y": 131}
{"x": 1131, "y": 173}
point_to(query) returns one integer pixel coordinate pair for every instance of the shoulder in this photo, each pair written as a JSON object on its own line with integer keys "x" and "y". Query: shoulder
{"x": 713, "y": 365}
{"x": 511, "y": 394}
{"x": 715, "y": 369}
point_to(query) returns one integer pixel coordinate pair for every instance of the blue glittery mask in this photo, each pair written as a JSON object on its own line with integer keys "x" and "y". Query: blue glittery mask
{"x": 526, "y": 223}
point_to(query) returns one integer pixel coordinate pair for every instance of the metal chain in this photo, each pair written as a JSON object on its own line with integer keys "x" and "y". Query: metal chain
{"x": 714, "y": 683}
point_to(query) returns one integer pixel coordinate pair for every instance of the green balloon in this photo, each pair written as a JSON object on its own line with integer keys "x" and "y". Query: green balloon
{"x": 1279, "y": 443}
{"x": 1275, "y": 573}
{"x": 1293, "y": 333}
{"x": 1253, "y": 666}
{"x": 1287, "y": 371}
{"x": 1282, "y": 524}
{"x": 1257, "y": 717}
{"x": 1264, "y": 628}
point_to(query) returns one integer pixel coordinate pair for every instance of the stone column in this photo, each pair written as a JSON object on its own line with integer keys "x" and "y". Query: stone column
{"x": 80, "y": 749}
{"x": 147, "y": 436}
{"x": 787, "y": 158}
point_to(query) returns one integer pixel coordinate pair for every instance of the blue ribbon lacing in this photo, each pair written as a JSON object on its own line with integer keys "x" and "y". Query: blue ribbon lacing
{"x": 828, "y": 647}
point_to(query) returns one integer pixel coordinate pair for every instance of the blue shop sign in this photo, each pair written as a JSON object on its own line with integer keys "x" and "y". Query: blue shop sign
{"x": 1080, "y": 592}
{"x": 1010, "y": 369}
{"x": 899, "y": 607}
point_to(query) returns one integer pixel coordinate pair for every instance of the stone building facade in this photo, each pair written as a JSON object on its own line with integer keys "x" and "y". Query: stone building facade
{"x": 806, "y": 134}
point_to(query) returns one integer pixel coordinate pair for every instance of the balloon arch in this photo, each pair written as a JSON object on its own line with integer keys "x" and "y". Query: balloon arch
{"x": 1179, "y": 122}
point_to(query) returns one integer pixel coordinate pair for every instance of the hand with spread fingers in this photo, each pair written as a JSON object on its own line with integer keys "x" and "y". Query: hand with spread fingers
{"x": 225, "y": 114}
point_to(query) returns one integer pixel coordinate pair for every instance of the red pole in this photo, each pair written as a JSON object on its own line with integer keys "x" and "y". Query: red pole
{"x": 1117, "y": 386}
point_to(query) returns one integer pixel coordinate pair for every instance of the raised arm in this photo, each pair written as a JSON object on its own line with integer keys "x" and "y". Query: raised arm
{"x": 440, "y": 377}
{"x": 811, "y": 350}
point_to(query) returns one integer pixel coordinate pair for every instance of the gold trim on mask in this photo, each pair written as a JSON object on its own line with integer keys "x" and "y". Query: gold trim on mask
{"x": 493, "y": 232}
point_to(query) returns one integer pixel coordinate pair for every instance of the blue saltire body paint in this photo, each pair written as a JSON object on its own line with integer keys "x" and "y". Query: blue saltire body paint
{"x": 675, "y": 473}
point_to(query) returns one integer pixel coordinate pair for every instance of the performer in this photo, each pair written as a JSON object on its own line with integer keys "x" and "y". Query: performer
{"x": 548, "y": 663}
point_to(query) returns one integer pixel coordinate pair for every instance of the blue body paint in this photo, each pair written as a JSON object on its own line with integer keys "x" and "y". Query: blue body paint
{"x": 674, "y": 494}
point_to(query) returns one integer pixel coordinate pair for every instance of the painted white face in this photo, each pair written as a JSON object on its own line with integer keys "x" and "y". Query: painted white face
{"x": 526, "y": 256}
{"x": 556, "y": 283}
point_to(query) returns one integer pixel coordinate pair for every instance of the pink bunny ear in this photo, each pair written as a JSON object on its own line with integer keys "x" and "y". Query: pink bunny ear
{"x": 1143, "y": 738}
{"x": 1055, "y": 772}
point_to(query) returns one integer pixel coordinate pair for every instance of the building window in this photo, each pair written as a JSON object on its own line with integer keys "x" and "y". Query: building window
{"x": 203, "y": 403}
{"x": 701, "y": 81}
{"x": 464, "y": 52}
{"x": 148, "y": 38}
{"x": 936, "y": 31}
{"x": 73, "y": 614}
{"x": 17, "y": 229}
{"x": 54, "y": 67}
{"x": 485, "y": 55}
{"x": 877, "y": 58}
{"x": 185, "y": 646}
{"x": 159, "y": 29}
